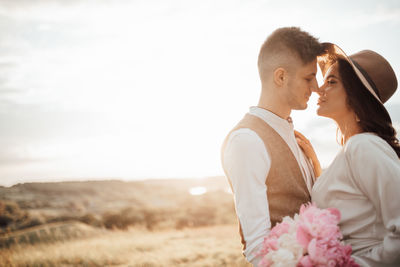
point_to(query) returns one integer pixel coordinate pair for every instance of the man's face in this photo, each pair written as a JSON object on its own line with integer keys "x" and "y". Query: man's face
{"x": 300, "y": 85}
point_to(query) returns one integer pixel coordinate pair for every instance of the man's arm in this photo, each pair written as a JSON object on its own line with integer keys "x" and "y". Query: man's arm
{"x": 247, "y": 163}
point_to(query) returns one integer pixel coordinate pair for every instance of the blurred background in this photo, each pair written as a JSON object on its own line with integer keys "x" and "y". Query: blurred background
{"x": 137, "y": 96}
{"x": 149, "y": 89}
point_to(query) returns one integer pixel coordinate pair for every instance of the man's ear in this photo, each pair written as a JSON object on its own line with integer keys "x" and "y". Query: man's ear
{"x": 280, "y": 76}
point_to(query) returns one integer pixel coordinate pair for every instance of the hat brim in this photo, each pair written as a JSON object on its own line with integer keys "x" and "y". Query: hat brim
{"x": 332, "y": 54}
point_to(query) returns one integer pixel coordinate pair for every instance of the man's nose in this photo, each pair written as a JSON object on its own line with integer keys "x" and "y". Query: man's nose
{"x": 314, "y": 86}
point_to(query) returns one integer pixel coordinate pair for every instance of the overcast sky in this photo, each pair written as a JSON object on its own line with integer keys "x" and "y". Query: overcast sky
{"x": 149, "y": 89}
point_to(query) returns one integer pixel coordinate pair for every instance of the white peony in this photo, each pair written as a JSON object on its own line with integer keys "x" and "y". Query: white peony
{"x": 289, "y": 242}
{"x": 282, "y": 258}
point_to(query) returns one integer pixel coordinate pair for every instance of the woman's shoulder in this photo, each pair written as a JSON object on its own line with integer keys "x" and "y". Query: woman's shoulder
{"x": 368, "y": 143}
{"x": 364, "y": 139}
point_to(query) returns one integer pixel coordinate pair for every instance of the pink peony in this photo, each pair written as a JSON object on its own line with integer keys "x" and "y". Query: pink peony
{"x": 317, "y": 223}
{"x": 265, "y": 262}
{"x": 271, "y": 243}
{"x": 305, "y": 261}
{"x": 312, "y": 239}
{"x": 279, "y": 229}
{"x": 303, "y": 236}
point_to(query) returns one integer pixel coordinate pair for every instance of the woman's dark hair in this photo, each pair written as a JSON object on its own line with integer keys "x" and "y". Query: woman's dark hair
{"x": 372, "y": 115}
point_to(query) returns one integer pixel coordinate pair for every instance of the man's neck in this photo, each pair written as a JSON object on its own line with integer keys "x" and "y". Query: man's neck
{"x": 271, "y": 103}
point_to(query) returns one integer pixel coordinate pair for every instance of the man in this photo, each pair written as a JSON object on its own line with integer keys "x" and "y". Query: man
{"x": 269, "y": 175}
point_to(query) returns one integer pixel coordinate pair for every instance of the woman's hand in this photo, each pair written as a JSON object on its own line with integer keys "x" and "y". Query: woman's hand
{"x": 309, "y": 151}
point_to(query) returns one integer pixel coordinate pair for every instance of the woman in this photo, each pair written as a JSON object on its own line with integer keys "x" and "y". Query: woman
{"x": 363, "y": 181}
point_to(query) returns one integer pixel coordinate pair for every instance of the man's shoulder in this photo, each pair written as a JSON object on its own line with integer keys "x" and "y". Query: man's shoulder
{"x": 243, "y": 137}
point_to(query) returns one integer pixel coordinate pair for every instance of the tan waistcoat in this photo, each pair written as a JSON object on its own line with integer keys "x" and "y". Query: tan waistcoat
{"x": 286, "y": 188}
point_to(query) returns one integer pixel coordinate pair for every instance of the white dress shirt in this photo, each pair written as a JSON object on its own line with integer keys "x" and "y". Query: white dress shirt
{"x": 363, "y": 182}
{"x": 247, "y": 163}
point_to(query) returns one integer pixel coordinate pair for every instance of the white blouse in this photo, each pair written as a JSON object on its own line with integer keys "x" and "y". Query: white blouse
{"x": 363, "y": 182}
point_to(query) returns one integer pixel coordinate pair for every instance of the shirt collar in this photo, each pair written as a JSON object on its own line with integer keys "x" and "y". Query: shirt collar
{"x": 269, "y": 116}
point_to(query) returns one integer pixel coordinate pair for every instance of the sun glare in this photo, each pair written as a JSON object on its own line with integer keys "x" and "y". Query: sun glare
{"x": 198, "y": 190}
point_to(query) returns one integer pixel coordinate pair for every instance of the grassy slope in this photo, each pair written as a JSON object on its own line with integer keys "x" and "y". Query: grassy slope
{"x": 205, "y": 246}
{"x": 215, "y": 245}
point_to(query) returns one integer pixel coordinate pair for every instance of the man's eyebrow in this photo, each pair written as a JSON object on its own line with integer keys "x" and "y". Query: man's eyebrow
{"x": 312, "y": 74}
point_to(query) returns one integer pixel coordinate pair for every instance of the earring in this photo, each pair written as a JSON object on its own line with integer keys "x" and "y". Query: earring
{"x": 357, "y": 119}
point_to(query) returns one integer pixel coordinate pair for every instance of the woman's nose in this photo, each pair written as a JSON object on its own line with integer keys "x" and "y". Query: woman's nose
{"x": 319, "y": 90}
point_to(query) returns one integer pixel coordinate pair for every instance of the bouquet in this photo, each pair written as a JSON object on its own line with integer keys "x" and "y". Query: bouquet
{"x": 311, "y": 238}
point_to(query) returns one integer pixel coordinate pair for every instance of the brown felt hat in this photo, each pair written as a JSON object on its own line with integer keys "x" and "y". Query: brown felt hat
{"x": 373, "y": 70}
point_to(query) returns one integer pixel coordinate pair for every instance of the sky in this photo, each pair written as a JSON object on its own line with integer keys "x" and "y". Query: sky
{"x": 149, "y": 89}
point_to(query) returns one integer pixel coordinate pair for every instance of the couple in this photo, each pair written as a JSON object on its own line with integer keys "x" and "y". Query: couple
{"x": 273, "y": 169}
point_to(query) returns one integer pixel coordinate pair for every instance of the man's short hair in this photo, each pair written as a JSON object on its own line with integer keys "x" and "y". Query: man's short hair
{"x": 289, "y": 41}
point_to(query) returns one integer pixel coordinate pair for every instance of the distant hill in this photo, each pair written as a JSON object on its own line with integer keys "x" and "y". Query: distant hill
{"x": 98, "y": 196}
{"x": 118, "y": 204}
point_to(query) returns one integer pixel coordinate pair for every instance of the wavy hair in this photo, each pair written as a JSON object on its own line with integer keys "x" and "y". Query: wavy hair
{"x": 372, "y": 115}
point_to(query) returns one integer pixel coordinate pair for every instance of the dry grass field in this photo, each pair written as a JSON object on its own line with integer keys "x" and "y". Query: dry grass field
{"x": 204, "y": 246}
{"x": 188, "y": 222}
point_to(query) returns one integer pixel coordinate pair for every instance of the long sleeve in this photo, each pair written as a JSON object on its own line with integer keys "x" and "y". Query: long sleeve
{"x": 376, "y": 171}
{"x": 246, "y": 163}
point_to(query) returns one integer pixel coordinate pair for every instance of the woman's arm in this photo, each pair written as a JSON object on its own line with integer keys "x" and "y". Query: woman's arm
{"x": 308, "y": 150}
{"x": 375, "y": 168}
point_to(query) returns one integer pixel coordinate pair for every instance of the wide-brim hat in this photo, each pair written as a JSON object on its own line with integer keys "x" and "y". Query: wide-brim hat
{"x": 373, "y": 70}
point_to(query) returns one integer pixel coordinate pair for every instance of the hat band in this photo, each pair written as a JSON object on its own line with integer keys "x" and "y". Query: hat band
{"x": 366, "y": 76}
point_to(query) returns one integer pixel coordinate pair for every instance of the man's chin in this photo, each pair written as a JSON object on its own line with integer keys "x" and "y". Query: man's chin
{"x": 302, "y": 107}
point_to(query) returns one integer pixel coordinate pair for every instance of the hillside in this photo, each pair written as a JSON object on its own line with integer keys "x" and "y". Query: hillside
{"x": 118, "y": 204}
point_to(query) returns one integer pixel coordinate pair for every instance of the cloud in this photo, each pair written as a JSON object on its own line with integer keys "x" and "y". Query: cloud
{"x": 17, "y": 155}
{"x": 394, "y": 111}
{"x": 33, "y": 134}
{"x": 11, "y": 8}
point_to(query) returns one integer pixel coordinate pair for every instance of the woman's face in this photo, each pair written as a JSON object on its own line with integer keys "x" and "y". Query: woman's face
{"x": 333, "y": 99}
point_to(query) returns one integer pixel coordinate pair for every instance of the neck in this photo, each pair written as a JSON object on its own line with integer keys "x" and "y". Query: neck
{"x": 271, "y": 102}
{"x": 348, "y": 127}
